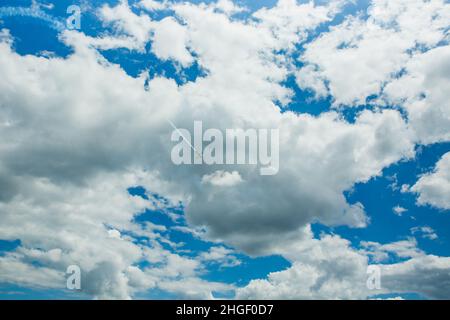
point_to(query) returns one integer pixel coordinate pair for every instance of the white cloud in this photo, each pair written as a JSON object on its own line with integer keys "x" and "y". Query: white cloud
{"x": 222, "y": 178}
{"x": 402, "y": 249}
{"x": 290, "y": 20}
{"x": 170, "y": 40}
{"x": 399, "y": 210}
{"x": 424, "y": 93}
{"x": 14, "y": 271}
{"x": 153, "y": 5}
{"x": 114, "y": 233}
{"x": 434, "y": 187}
{"x": 323, "y": 268}
{"x": 328, "y": 268}
{"x": 122, "y": 18}
{"x": 426, "y": 275}
{"x": 222, "y": 256}
{"x": 357, "y": 57}
{"x": 425, "y": 232}
{"x": 229, "y": 7}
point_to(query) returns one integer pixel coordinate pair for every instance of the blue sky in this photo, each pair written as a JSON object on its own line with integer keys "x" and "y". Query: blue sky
{"x": 378, "y": 192}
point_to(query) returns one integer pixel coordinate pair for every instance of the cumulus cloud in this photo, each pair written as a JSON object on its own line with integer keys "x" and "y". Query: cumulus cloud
{"x": 329, "y": 268}
{"x": 434, "y": 187}
{"x": 325, "y": 268}
{"x": 427, "y": 275}
{"x": 424, "y": 93}
{"x": 356, "y": 58}
{"x": 170, "y": 40}
{"x": 125, "y": 21}
{"x": 153, "y": 5}
{"x": 222, "y": 256}
{"x": 15, "y": 271}
{"x": 381, "y": 252}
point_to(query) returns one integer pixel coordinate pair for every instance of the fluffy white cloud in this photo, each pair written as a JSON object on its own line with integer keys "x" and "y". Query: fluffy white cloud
{"x": 222, "y": 256}
{"x": 424, "y": 93}
{"x": 170, "y": 40}
{"x": 356, "y": 58}
{"x": 329, "y": 268}
{"x": 290, "y": 20}
{"x": 65, "y": 197}
{"x": 381, "y": 252}
{"x": 434, "y": 187}
{"x": 15, "y": 271}
{"x": 125, "y": 21}
{"x": 153, "y": 5}
{"x": 325, "y": 268}
{"x": 426, "y": 274}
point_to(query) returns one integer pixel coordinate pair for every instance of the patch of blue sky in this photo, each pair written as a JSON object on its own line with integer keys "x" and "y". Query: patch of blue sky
{"x": 249, "y": 269}
{"x": 304, "y": 100}
{"x": 32, "y": 11}
{"x": 35, "y": 32}
{"x": 39, "y": 32}
{"x": 350, "y": 114}
{"x": 134, "y": 63}
{"x": 8, "y": 245}
{"x": 33, "y": 36}
{"x": 165, "y": 216}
